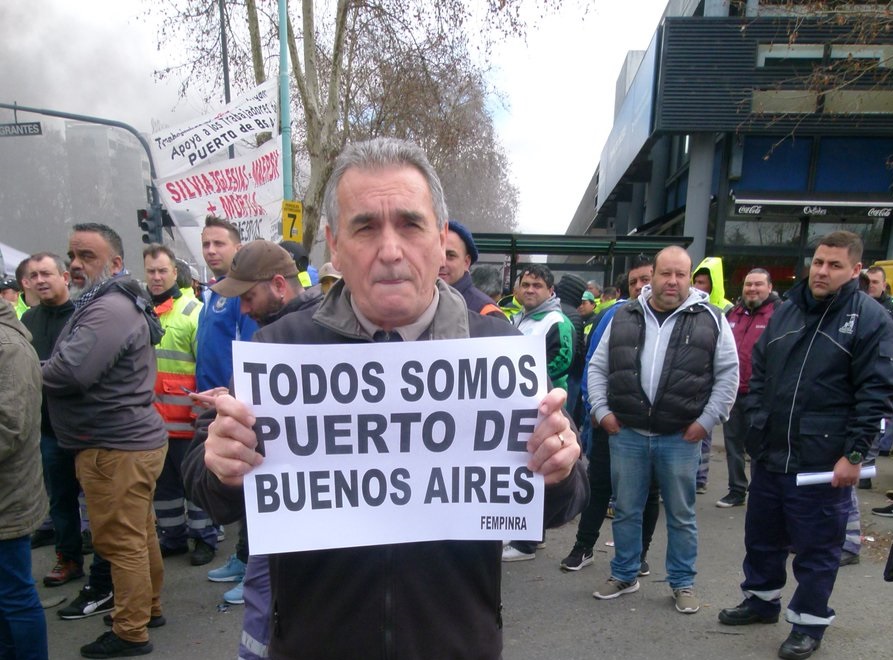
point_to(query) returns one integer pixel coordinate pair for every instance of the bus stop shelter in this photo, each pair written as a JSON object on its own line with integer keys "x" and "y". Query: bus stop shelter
{"x": 608, "y": 252}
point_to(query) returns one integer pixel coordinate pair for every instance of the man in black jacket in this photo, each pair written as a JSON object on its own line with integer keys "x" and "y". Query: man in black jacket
{"x": 877, "y": 288}
{"x": 264, "y": 277}
{"x": 387, "y": 232}
{"x": 822, "y": 381}
{"x": 49, "y": 279}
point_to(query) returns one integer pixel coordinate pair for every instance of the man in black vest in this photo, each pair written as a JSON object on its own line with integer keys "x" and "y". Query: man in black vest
{"x": 666, "y": 376}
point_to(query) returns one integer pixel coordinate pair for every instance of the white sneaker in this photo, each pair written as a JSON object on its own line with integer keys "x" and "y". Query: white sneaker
{"x": 511, "y": 553}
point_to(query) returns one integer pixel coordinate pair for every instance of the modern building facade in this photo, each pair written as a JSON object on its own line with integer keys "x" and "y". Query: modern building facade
{"x": 732, "y": 130}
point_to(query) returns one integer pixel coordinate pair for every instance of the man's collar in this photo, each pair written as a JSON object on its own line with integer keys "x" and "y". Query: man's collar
{"x": 409, "y": 332}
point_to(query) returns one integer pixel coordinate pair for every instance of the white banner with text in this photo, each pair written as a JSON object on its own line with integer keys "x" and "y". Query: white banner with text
{"x": 189, "y": 145}
{"x": 246, "y": 190}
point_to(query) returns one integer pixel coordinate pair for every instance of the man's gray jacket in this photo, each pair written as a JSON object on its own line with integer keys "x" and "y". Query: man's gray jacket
{"x": 100, "y": 380}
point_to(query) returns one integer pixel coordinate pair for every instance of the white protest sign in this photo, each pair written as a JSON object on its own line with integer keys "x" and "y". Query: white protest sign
{"x": 191, "y": 144}
{"x": 246, "y": 190}
{"x": 369, "y": 444}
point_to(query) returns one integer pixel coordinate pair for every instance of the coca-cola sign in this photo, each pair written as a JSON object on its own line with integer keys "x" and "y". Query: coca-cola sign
{"x": 817, "y": 209}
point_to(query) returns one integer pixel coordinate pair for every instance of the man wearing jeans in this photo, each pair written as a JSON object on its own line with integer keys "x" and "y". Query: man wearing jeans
{"x": 99, "y": 383}
{"x": 23, "y": 502}
{"x": 666, "y": 376}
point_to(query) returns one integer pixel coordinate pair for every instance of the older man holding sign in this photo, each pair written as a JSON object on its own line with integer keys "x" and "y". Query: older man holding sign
{"x": 456, "y": 433}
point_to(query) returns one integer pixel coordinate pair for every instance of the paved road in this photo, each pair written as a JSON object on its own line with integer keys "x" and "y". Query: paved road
{"x": 551, "y": 614}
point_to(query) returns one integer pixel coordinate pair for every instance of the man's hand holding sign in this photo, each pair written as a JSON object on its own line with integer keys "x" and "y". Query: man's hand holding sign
{"x": 394, "y": 448}
{"x": 230, "y": 451}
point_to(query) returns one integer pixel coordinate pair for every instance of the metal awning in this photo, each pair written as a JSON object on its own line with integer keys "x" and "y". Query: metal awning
{"x": 610, "y": 247}
{"x": 557, "y": 244}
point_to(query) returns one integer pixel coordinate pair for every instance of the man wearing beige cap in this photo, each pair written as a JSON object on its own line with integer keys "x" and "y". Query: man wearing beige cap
{"x": 265, "y": 278}
{"x": 328, "y": 275}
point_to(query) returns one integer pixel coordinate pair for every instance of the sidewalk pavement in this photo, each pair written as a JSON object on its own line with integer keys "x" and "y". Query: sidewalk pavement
{"x": 551, "y": 614}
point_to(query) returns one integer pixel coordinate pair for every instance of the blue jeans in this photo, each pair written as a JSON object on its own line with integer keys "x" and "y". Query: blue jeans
{"x": 23, "y": 626}
{"x": 63, "y": 488}
{"x": 674, "y": 463}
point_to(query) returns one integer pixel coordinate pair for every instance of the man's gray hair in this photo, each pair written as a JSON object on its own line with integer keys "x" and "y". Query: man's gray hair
{"x": 376, "y": 154}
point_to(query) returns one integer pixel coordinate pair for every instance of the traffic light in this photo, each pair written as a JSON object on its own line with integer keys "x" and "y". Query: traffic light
{"x": 150, "y": 225}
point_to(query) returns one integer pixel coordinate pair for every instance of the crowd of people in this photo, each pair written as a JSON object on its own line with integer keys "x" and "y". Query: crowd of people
{"x": 122, "y": 399}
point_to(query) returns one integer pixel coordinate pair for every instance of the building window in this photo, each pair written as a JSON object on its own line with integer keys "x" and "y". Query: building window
{"x": 762, "y": 233}
{"x": 871, "y": 231}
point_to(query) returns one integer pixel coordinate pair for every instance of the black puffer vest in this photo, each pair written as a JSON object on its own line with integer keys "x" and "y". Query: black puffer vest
{"x": 686, "y": 378}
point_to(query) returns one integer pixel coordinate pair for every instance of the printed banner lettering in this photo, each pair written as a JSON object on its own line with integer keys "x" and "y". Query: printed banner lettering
{"x": 407, "y": 442}
{"x": 191, "y": 144}
{"x": 246, "y": 190}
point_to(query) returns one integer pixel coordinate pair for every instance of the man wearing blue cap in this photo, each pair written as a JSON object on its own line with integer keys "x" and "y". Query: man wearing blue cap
{"x": 461, "y": 253}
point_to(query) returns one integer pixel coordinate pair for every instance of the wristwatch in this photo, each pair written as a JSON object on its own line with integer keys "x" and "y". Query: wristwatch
{"x": 854, "y": 457}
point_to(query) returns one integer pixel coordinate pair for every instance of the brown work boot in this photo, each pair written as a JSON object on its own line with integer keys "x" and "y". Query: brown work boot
{"x": 63, "y": 572}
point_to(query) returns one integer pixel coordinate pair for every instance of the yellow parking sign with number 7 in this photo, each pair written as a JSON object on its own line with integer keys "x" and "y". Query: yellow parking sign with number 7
{"x": 292, "y": 220}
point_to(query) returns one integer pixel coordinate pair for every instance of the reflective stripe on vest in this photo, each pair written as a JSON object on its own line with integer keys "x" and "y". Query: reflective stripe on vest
{"x": 175, "y": 357}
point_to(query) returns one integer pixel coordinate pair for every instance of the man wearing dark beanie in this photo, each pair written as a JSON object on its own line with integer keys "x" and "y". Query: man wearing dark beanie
{"x": 461, "y": 253}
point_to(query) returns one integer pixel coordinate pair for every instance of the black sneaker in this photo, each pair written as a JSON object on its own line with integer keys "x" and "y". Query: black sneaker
{"x": 109, "y": 645}
{"x": 885, "y": 511}
{"x": 644, "y": 568}
{"x": 174, "y": 551}
{"x": 577, "y": 559}
{"x": 154, "y": 621}
{"x": 88, "y": 603}
{"x": 743, "y": 615}
{"x": 730, "y": 500}
{"x": 202, "y": 553}
{"x": 848, "y": 558}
